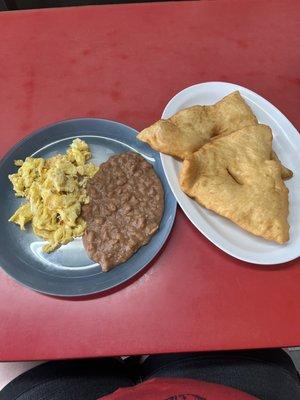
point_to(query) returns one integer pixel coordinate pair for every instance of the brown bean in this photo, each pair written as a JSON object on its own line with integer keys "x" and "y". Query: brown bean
{"x": 122, "y": 216}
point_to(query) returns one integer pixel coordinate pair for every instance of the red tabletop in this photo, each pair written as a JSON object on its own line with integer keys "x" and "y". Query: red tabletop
{"x": 124, "y": 62}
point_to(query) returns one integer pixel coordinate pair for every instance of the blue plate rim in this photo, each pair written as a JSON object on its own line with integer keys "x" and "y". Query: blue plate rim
{"x": 171, "y": 219}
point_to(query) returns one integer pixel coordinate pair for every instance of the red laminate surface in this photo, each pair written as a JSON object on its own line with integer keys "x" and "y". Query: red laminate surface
{"x": 124, "y": 63}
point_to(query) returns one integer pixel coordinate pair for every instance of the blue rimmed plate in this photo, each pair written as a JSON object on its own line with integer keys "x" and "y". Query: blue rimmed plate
{"x": 68, "y": 271}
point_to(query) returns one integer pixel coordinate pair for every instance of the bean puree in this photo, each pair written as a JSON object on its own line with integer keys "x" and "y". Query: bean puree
{"x": 125, "y": 209}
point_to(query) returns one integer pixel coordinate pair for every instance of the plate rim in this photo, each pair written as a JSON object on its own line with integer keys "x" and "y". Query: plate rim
{"x": 181, "y": 197}
{"x": 36, "y": 132}
{"x": 171, "y": 209}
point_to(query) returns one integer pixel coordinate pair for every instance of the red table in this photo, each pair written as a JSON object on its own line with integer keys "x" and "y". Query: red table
{"x": 124, "y": 63}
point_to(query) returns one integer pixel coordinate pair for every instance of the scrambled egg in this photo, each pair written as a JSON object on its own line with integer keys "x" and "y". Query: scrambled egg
{"x": 55, "y": 190}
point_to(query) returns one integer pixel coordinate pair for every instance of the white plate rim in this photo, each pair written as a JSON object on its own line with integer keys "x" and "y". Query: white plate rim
{"x": 185, "y": 202}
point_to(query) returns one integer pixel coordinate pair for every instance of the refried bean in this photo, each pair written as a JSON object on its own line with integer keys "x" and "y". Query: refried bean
{"x": 125, "y": 208}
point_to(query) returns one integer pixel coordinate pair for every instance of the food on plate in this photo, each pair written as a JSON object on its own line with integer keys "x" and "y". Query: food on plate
{"x": 55, "y": 190}
{"x": 189, "y": 129}
{"x": 235, "y": 176}
{"x": 125, "y": 209}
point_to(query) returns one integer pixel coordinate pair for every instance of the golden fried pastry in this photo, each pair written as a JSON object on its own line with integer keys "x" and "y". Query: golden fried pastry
{"x": 189, "y": 129}
{"x": 235, "y": 176}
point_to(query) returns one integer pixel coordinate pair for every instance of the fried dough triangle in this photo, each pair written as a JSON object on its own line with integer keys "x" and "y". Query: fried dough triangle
{"x": 235, "y": 176}
{"x": 189, "y": 129}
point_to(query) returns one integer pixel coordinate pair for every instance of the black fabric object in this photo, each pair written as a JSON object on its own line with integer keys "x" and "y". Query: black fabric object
{"x": 265, "y": 374}
{"x": 86, "y": 379}
{"x": 3, "y": 6}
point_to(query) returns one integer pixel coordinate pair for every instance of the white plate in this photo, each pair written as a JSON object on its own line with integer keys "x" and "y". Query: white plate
{"x": 220, "y": 231}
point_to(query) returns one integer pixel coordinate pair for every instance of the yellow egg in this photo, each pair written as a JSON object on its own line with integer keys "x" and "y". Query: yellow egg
{"x": 55, "y": 190}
